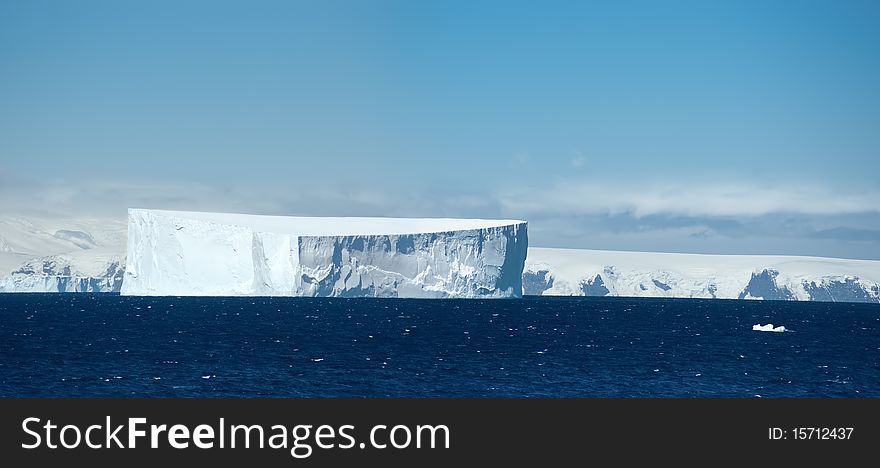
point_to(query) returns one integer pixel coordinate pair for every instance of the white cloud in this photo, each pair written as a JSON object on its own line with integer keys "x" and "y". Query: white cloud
{"x": 564, "y": 198}
{"x": 704, "y": 217}
{"x": 697, "y": 199}
{"x": 111, "y": 198}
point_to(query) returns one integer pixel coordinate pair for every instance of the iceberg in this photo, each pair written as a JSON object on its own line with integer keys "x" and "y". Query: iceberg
{"x": 769, "y": 328}
{"x": 176, "y": 253}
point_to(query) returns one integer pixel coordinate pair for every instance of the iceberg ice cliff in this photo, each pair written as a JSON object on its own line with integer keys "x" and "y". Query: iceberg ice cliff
{"x": 219, "y": 254}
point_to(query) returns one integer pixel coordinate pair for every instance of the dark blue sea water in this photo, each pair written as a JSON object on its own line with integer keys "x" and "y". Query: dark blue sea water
{"x": 107, "y": 345}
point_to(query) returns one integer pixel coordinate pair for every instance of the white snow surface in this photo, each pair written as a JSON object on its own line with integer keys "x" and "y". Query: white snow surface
{"x": 36, "y": 236}
{"x": 647, "y": 274}
{"x": 329, "y": 226}
{"x": 204, "y": 254}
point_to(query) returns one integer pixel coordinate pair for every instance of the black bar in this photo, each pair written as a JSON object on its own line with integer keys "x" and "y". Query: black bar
{"x": 512, "y": 431}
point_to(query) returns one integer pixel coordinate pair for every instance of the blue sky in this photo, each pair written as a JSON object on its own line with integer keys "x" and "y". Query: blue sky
{"x": 729, "y": 127}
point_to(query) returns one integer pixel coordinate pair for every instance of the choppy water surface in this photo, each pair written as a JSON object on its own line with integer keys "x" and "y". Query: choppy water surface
{"x": 108, "y": 345}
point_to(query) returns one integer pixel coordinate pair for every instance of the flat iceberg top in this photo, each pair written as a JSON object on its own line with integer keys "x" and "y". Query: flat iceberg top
{"x": 334, "y": 226}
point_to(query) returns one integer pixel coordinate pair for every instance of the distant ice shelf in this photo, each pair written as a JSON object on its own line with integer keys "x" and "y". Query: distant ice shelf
{"x": 94, "y": 270}
{"x": 572, "y": 272}
{"x": 219, "y": 254}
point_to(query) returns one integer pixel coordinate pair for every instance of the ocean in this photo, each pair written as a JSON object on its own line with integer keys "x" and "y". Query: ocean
{"x": 103, "y": 345}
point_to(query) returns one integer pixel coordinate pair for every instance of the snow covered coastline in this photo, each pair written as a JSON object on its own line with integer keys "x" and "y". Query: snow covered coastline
{"x": 61, "y": 255}
{"x": 570, "y": 272}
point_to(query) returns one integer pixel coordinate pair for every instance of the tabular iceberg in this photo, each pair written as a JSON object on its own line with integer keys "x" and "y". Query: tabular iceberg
{"x": 219, "y": 254}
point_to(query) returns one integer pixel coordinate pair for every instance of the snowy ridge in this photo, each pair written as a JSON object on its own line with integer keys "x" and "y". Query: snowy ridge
{"x": 39, "y": 237}
{"x": 571, "y": 272}
{"x": 181, "y": 253}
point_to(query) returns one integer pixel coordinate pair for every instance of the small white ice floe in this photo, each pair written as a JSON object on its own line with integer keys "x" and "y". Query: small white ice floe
{"x": 769, "y": 328}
